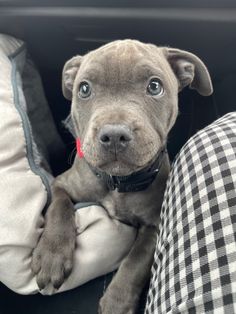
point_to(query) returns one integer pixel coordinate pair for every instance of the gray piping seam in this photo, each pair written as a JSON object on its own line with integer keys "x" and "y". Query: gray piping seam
{"x": 26, "y": 127}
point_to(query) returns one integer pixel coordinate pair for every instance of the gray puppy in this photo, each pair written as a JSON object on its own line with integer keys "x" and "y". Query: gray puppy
{"x": 124, "y": 102}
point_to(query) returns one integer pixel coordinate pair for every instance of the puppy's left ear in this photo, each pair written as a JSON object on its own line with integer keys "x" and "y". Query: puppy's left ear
{"x": 189, "y": 70}
{"x": 68, "y": 76}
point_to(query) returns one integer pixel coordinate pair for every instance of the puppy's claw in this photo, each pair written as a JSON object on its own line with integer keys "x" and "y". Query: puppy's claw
{"x": 57, "y": 272}
{"x": 42, "y": 280}
{"x": 67, "y": 267}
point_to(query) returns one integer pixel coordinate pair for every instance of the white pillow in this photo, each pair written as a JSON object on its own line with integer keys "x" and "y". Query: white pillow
{"x": 25, "y": 185}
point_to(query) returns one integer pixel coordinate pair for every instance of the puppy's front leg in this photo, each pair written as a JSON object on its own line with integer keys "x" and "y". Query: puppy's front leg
{"x": 122, "y": 295}
{"x": 52, "y": 258}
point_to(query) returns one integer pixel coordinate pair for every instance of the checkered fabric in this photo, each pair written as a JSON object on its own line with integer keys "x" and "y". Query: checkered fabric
{"x": 194, "y": 268}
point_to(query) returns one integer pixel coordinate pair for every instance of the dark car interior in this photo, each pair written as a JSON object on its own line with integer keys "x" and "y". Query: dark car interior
{"x": 54, "y": 31}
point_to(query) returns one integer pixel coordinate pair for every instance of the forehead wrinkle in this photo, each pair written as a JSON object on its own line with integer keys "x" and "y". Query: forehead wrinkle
{"x": 147, "y": 69}
{"x": 142, "y": 49}
{"x": 125, "y": 61}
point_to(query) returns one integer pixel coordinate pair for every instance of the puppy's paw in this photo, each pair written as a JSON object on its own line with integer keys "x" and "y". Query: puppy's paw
{"x": 52, "y": 261}
{"x": 118, "y": 301}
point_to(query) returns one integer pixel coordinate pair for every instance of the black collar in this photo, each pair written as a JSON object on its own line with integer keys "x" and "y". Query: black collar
{"x": 137, "y": 181}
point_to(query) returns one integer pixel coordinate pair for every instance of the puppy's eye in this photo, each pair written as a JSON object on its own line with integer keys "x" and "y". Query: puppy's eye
{"x": 155, "y": 87}
{"x": 84, "y": 89}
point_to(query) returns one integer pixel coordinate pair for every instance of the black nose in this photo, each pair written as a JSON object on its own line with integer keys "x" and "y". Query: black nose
{"x": 115, "y": 136}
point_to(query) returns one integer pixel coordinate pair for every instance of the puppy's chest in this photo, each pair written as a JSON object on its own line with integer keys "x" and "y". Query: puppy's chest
{"x": 133, "y": 208}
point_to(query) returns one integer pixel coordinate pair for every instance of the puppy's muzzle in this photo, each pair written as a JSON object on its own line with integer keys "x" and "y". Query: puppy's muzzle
{"x": 115, "y": 137}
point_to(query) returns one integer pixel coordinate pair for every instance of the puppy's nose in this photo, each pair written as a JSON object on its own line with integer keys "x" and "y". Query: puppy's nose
{"x": 115, "y": 136}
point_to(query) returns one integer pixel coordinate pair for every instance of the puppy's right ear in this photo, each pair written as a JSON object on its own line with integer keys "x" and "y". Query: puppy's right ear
{"x": 68, "y": 76}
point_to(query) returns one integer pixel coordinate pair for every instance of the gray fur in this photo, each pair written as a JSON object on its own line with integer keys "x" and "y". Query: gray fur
{"x": 119, "y": 73}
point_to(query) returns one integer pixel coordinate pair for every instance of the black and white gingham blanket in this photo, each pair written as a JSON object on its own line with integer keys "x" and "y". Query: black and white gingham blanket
{"x": 194, "y": 268}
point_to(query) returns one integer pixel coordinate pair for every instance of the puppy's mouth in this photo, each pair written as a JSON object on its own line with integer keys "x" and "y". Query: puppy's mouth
{"x": 117, "y": 164}
{"x": 118, "y": 167}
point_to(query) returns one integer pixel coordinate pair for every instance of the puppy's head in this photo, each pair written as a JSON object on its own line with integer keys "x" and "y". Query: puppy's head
{"x": 125, "y": 100}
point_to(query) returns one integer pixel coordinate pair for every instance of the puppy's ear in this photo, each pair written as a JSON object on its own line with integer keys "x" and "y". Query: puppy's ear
{"x": 189, "y": 70}
{"x": 68, "y": 76}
